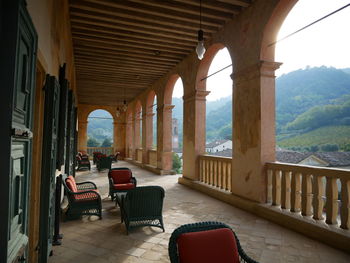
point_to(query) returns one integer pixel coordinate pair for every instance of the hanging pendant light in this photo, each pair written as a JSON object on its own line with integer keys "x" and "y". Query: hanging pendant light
{"x": 125, "y": 106}
{"x": 200, "y": 49}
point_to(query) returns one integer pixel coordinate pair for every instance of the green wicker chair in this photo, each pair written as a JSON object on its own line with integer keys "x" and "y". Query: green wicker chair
{"x": 142, "y": 206}
{"x": 206, "y": 242}
{"x": 104, "y": 163}
{"x": 83, "y": 198}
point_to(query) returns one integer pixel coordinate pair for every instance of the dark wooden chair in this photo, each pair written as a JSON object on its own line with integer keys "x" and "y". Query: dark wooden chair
{"x": 120, "y": 180}
{"x": 142, "y": 206}
{"x": 83, "y": 198}
{"x": 96, "y": 156}
{"x": 104, "y": 162}
{"x": 206, "y": 242}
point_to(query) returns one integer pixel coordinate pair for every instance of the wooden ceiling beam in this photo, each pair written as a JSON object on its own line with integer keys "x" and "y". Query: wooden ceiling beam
{"x": 98, "y": 52}
{"x": 114, "y": 78}
{"x": 103, "y": 38}
{"x": 189, "y": 9}
{"x": 139, "y": 52}
{"x": 143, "y": 8}
{"x": 243, "y": 3}
{"x": 214, "y": 5}
{"x": 99, "y": 68}
{"x": 135, "y": 30}
{"x": 124, "y": 34}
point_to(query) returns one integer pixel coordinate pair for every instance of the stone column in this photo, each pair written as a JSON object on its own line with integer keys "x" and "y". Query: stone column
{"x": 147, "y": 135}
{"x": 164, "y": 138}
{"x": 193, "y": 132}
{"x": 129, "y": 137}
{"x": 254, "y": 129}
{"x": 82, "y": 135}
{"x": 137, "y": 136}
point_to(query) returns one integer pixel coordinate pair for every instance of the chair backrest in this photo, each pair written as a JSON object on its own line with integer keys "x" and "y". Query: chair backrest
{"x": 71, "y": 184}
{"x": 120, "y": 176}
{"x": 203, "y": 242}
{"x": 144, "y": 201}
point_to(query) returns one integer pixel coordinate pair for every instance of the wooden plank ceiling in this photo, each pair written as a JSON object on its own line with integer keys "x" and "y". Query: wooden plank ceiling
{"x": 121, "y": 47}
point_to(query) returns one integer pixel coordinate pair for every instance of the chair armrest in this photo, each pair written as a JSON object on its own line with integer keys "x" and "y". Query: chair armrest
{"x": 89, "y": 194}
{"x": 133, "y": 180}
{"x": 86, "y": 185}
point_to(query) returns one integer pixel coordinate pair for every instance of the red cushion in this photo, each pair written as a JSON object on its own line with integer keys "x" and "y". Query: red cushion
{"x": 218, "y": 245}
{"x": 71, "y": 184}
{"x": 85, "y": 197}
{"x": 120, "y": 176}
{"x": 124, "y": 186}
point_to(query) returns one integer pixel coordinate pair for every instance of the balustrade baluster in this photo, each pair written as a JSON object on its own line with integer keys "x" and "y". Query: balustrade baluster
{"x": 345, "y": 204}
{"x": 318, "y": 197}
{"x": 269, "y": 185}
{"x": 208, "y": 172}
{"x": 306, "y": 195}
{"x": 331, "y": 200}
{"x": 220, "y": 174}
{"x": 296, "y": 192}
{"x": 201, "y": 170}
{"x": 229, "y": 177}
{"x": 285, "y": 196}
{"x": 276, "y": 188}
{"x": 215, "y": 171}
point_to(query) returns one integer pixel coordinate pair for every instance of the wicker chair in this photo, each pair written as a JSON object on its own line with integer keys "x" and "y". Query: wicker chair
{"x": 83, "y": 161}
{"x": 83, "y": 198}
{"x": 104, "y": 162}
{"x": 120, "y": 180}
{"x": 206, "y": 242}
{"x": 142, "y": 206}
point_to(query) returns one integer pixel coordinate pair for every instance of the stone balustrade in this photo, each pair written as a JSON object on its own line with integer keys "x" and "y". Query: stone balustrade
{"x": 215, "y": 171}
{"x": 317, "y": 192}
{"x": 105, "y": 150}
{"x": 152, "y": 157}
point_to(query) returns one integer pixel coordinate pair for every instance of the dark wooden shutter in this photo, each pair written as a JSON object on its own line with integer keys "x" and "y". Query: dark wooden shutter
{"x": 18, "y": 56}
{"x": 48, "y": 171}
{"x": 71, "y": 127}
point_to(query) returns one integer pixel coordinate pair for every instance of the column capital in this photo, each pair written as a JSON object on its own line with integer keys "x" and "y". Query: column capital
{"x": 83, "y": 122}
{"x": 262, "y": 68}
{"x": 165, "y": 107}
{"x": 196, "y": 95}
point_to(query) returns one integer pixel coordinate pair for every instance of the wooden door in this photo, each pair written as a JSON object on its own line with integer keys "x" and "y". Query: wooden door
{"x": 48, "y": 171}
{"x": 71, "y": 127}
{"x": 18, "y": 57}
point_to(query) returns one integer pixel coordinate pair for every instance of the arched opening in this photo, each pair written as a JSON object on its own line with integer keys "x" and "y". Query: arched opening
{"x": 219, "y": 105}
{"x": 310, "y": 119}
{"x": 100, "y": 132}
{"x": 177, "y": 125}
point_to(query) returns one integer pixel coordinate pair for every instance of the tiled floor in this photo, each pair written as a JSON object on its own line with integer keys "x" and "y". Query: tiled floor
{"x": 102, "y": 241}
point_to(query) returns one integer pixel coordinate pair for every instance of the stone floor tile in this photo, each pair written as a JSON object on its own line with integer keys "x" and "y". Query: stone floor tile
{"x": 105, "y": 241}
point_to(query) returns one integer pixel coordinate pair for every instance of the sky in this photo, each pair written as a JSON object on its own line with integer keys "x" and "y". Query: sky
{"x": 325, "y": 43}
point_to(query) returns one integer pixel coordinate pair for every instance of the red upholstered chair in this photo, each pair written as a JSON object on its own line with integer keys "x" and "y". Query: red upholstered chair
{"x": 120, "y": 180}
{"x": 206, "y": 242}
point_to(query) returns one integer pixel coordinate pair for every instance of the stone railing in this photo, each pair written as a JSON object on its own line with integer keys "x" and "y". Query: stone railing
{"x": 320, "y": 193}
{"x": 152, "y": 157}
{"x": 215, "y": 171}
{"x": 105, "y": 150}
{"x": 130, "y": 153}
{"x": 139, "y": 155}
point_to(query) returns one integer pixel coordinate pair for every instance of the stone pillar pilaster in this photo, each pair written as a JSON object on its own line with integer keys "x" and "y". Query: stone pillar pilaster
{"x": 82, "y": 135}
{"x": 129, "y": 137}
{"x": 253, "y": 128}
{"x": 147, "y": 135}
{"x": 137, "y": 136}
{"x": 193, "y": 132}
{"x": 164, "y": 138}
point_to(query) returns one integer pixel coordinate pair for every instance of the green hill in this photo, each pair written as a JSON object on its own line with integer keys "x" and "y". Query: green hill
{"x": 339, "y": 135}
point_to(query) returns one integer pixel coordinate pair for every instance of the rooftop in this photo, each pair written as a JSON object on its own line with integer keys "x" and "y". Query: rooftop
{"x": 102, "y": 241}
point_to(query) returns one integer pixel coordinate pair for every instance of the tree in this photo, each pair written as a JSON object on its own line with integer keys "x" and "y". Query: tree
{"x": 107, "y": 142}
{"x": 329, "y": 147}
{"x": 177, "y": 163}
{"x": 92, "y": 142}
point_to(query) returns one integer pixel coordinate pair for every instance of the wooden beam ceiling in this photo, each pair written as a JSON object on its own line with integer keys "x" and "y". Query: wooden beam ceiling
{"x": 122, "y": 47}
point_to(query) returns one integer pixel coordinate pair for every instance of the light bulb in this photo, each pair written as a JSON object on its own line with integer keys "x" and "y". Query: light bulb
{"x": 200, "y": 49}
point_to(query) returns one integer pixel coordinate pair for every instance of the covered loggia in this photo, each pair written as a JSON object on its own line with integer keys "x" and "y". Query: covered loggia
{"x": 116, "y": 53}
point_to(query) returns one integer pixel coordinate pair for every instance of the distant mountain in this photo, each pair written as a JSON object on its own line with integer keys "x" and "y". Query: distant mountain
{"x": 346, "y": 70}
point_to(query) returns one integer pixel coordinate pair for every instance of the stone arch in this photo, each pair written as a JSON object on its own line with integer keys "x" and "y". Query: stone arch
{"x": 279, "y": 14}
{"x": 169, "y": 88}
{"x": 84, "y": 116}
{"x": 205, "y": 64}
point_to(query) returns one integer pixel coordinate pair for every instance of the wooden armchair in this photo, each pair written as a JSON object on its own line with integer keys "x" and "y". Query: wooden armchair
{"x": 83, "y": 198}
{"x": 120, "y": 180}
{"x": 142, "y": 206}
{"x": 206, "y": 242}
